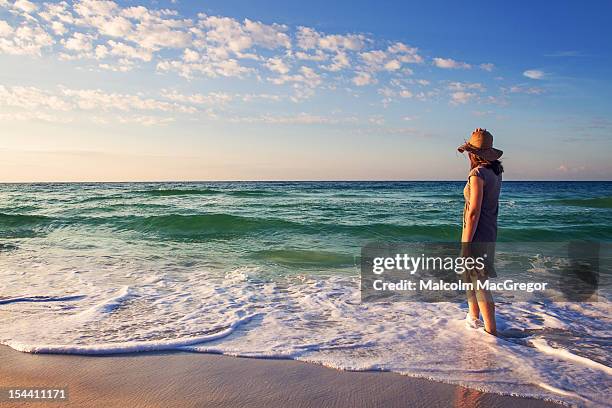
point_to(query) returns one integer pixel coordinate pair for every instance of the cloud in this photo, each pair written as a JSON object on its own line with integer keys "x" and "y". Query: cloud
{"x": 404, "y": 93}
{"x": 318, "y": 55}
{"x": 31, "y": 116}
{"x": 461, "y": 97}
{"x": 5, "y": 29}
{"x": 569, "y": 169}
{"x": 304, "y": 82}
{"x": 405, "y": 53}
{"x": 25, "y": 39}
{"x": 112, "y": 36}
{"x": 363, "y": 79}
{"x": 204, "y": 66}
{"x": 530, "y": 90}
{"x": 374, "y": 59}
{"x": 301, "y": 118}
{"x": 212, "y": 98}
{"x": 67, "y": 99}
{"x": 463, "y": 86}
{"x": 31, "y": 98}
{"x": 25, "y": 6}
{"x": 308, "y": 39}
{"x": 534, "y": 74}
{"x": 96, "y": 99}
{"x": 79, "y": 42}
{"x": 487, "y": 67}
{"x": 449, "y": 63}
{"x": 277, "y": 65}
{"x": 145, "y": 120}
{"x": 482, "y": 113}
{"x": 339, "y": 62}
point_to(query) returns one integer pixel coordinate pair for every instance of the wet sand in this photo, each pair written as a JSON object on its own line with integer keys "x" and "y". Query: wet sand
{"x": 180, "y": 379}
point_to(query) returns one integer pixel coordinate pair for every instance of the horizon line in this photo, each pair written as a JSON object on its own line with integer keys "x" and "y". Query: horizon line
{"x": 290, "y": 181}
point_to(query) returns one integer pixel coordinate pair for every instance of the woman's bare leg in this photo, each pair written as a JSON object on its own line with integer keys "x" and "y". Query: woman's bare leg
{"x": 474, "y": 310}
{"x": 487, "y": 309}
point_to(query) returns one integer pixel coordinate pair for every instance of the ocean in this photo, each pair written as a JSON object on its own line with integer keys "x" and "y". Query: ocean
{"x": 271, "y": 270}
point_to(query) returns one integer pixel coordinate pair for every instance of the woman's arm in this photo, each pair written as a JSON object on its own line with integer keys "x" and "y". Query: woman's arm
{"x": 472, "y": 214}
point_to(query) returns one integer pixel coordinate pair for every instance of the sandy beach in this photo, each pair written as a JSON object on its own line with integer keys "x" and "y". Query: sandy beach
{"x": 205, "y": 380}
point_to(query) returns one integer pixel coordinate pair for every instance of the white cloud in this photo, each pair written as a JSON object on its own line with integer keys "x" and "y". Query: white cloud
{"x": 30, "y": 116}
{"x": 27, "y": 39}
{"x": 317, "y": 56}
{"x": 190, "y": 55}
{"x": 268, "y": 36}
{"x": 306, "y": 76}
{"x": 363, "y": 79}
{"x": 277, "y": 65}
{"x": 404, "y": 93}
{"x": 96, "y": 99}
{"x": 67, "y": 99}
{"x": 392, "y": 65}
{"x": 117, "y": 37}
{"x": 263, "y": 96}
{"x": 212, "y": 98}
{"x": 145, "y": 120}
{"x": 463, "y": 86}
{"x": 31, "y": 98}
{"x": 231, "y": 36}
{"x": 5, "y": 29}
{"x": 461, "y": 97}
{"x": 534, "y": 74}
{"x": 58, "y": 28}
{"x": 308, "y": 39}
{"x": 374, "y": 59}
{"x": 339, "y": 62}
{"x": 301, "y": 118}
{"x": 25, "y": 6}
{"x": 569, "y": 169}
{"x": 487, "y": 67}
{"x": 79, "y": 42}
{"x": 406, "y": 54}
{"x": 449, "y": 63}
{"x": 530, "y": 90}
{"x": 123, "y": 50}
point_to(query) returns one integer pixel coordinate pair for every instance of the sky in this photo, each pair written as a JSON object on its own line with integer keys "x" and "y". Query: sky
{"x": 293, "y": 90}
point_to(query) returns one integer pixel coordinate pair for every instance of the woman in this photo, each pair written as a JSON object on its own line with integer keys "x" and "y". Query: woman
{"x": 479, "y": 234}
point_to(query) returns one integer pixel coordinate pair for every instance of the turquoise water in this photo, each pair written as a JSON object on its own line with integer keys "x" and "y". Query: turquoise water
{"x": 271, "y": 270}
{"x": 294, "y": 223}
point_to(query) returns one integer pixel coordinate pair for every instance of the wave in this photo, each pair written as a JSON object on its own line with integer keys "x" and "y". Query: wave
{"x": 102, "y": 198}
{"x": 210, "y": 191}
{"x": 22, "y": 225}
{"x": 209, "y": 226}
{"x": 25, "y": 299}
{"x": 322, "y": 321}
{"x": 255, "y": 193}
{"x": 202, "y": 225}
{"x": 18, "y": 220}
{"x": 599, "y": 202}
{"x": 196, "y": 226}
{"x": 569, "y": 233}
{"x": 225, "y": 225}
{"x": 304, "y": 258}
{"x": 177, "y": 192}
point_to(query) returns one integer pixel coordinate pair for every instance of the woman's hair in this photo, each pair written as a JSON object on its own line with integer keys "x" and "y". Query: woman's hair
{"x": 494, "y": 165}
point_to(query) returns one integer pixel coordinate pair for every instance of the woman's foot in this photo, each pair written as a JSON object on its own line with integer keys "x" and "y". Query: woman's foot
{"x": 472, "y": 322}
{"x": 492, "y": 333}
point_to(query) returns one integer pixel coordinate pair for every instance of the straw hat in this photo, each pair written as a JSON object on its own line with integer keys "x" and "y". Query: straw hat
{"x": 481, "y": 144}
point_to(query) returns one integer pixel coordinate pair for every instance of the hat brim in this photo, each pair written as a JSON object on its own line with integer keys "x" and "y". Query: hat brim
{"x": 487, "y": 154}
